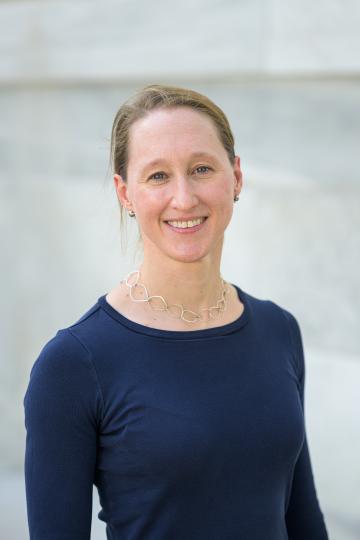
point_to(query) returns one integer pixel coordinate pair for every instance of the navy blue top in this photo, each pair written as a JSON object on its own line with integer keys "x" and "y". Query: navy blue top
{"x": 187, "y": 435}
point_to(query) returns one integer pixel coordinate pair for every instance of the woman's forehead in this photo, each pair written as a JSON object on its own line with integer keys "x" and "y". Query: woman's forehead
{"x": 170, "y": 129}
{"x": 180, "y": 117}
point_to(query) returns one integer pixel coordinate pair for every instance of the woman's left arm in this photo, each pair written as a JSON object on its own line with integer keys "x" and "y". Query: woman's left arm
{"x": 304, "y": 517}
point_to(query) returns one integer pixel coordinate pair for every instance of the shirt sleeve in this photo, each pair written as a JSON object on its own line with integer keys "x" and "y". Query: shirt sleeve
{"x": 304, "y": 518}
{"x": 62, "y": 409}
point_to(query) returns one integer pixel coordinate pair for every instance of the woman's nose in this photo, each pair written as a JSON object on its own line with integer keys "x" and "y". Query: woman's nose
{"x": 184, "y": 195}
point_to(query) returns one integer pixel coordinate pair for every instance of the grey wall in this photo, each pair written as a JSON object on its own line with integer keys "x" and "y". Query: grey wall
{"x": 85, "y": 39}
{"x": 287, "y": 76}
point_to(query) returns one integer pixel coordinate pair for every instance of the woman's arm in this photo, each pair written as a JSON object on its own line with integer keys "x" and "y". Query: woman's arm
{"x": 304, "y": 518}
{"x": 62, "y": 407}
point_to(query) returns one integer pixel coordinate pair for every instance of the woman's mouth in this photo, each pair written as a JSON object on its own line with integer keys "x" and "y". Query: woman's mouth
{"x": 186, "y": 227}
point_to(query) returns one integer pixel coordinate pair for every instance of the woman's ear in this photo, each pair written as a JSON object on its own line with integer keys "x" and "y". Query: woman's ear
{"x": 121, "y": 188}
{"x": 238, "y": 176}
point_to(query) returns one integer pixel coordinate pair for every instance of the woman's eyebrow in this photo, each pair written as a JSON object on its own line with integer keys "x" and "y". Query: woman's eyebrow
{"x": 153, "y": 163}
{"x": 203, "y": 154}
{"x": 160, "y": 161}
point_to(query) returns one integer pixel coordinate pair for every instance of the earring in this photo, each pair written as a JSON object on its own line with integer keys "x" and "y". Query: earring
{"x": 236, "y": 198}
{"x": 131, "y": 213}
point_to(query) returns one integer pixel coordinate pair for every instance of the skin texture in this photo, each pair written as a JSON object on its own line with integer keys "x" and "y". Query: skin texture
{"x": 183, "y": 268}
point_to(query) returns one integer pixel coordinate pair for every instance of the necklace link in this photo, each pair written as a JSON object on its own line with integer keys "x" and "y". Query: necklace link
{"x": 213, "y": 311}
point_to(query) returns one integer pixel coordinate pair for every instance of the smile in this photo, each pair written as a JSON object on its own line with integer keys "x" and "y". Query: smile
{"x": 186, "y": 226}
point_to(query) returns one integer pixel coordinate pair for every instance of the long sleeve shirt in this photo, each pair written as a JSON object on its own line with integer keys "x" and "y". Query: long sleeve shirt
{"x": 187, "y": 435}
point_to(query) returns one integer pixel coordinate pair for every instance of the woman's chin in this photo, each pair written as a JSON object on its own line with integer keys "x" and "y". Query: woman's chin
{"x": 187, "y": 254}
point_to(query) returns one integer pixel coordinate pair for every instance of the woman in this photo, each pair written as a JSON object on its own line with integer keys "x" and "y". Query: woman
{"x": 178, "y": 394}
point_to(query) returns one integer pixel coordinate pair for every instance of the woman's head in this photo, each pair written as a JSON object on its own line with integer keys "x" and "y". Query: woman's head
{"x": 196, "y": 174}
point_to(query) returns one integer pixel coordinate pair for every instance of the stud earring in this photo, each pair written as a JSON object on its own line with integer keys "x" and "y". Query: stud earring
{"x": 236, "y": 198}
{"x": 131, "y": 213}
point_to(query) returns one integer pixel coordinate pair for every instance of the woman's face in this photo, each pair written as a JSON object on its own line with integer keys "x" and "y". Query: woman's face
{"x": 178, "y": 170}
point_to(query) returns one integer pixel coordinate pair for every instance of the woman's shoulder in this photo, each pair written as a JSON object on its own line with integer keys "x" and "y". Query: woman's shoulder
{"x": 62, "y": 371}
{"x": 61, "y": 356}
{"x": 273, "y": 315}
{"x": 267, "y": 305}
{"x": 78, "y": 334}
{"x": 274, "y": 321}
{"x": 66, "y": 351}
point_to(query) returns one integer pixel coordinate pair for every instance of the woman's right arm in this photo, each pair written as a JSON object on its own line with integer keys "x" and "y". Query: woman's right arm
{"x": 63, "y": 406}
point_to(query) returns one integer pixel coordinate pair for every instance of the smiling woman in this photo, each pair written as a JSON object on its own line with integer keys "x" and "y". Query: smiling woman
{"x": 175, "y": 170}
{"x": 177, "y": 394}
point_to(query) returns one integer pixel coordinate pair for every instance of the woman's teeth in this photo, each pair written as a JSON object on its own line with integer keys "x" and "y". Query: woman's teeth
{"x": 185, "y": 224}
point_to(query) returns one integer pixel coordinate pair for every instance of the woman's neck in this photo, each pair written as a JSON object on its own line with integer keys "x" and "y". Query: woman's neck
{"x": 193, "y": 285}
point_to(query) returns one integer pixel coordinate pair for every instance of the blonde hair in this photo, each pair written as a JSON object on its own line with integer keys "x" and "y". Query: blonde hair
{"x": 155, "y": 96}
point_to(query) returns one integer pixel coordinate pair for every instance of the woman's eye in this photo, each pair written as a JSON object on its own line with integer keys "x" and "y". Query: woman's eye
{"x": 202, "y": 169}
{"x": 157, "y": 176}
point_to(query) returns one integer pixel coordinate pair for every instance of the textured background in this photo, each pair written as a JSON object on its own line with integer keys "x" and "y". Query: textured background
{"x": 287, "y": 75}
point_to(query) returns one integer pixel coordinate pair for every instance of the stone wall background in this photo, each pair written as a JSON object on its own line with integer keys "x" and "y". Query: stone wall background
{"x": 287, "y": 76}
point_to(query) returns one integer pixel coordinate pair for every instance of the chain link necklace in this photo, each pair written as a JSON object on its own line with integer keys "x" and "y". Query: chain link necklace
{"x": 175, "y": 310}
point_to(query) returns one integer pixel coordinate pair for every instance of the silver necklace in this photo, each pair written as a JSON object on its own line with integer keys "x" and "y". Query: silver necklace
{"x": 179, "y": 312}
